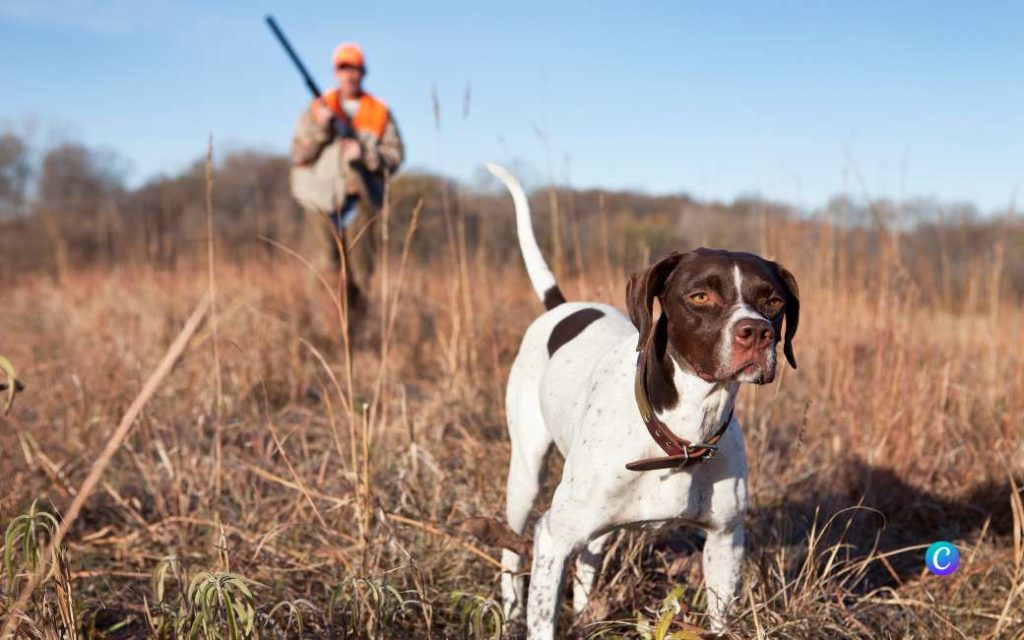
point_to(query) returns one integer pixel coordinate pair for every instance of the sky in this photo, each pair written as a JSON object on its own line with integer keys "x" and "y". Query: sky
{"x": 795, "y": 101}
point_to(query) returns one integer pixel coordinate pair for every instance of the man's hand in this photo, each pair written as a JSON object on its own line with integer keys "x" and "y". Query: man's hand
{"x": 351, "y": 150}
{"x": 322, "y": 114}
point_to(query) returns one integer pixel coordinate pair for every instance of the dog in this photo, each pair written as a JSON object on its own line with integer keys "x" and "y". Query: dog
{"x": 641, "y": 409}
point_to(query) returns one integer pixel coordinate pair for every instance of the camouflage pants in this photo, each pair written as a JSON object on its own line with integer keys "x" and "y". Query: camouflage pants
{"x": 358, "y": 242}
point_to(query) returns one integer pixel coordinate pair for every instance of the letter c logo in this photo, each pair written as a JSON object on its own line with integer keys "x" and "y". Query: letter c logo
{"x": 942, "y": 558}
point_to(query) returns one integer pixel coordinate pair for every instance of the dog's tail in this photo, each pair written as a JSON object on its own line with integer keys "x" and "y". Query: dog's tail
{"x": 541, "y": 278}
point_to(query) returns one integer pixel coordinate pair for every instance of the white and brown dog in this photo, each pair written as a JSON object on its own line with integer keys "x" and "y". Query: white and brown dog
{"x": 637, "y": 414}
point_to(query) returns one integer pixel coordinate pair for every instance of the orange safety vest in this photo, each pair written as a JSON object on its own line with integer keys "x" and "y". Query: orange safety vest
{"x": 372, "y": 115}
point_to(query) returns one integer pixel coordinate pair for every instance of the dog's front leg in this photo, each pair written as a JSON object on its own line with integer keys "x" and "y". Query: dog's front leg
{"x": 723, "y": 565}
{"x": 587, "y": 565}
{"x": 551, "y": 549}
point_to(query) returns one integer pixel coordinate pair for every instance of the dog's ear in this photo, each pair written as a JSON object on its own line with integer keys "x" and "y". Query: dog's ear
{"x": 792, "y": 294}
{"x": 642, "y": 288}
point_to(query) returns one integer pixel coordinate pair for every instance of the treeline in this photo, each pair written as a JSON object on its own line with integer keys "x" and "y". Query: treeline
{"x": 71, "y": 209}
{"x": 68, "y": 208}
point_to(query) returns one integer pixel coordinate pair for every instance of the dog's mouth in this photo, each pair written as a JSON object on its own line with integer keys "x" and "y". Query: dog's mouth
{"x": 758, "y": 375}
{"x": 757, "y": 368}
{"x": 746, "y": 367}
{"x": 750, "y": 370}
{"x": 719, "y": 376}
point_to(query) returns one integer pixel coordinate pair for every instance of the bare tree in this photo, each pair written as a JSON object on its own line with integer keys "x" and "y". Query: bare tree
{"x": 77, "y": 191}
{"x": 75, "y": 180}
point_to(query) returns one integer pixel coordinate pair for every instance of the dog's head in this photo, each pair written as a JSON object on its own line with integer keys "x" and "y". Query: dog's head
{"x": 723, "y": 312}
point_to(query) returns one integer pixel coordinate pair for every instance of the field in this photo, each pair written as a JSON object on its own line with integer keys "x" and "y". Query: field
{"x": 314, "y": 486}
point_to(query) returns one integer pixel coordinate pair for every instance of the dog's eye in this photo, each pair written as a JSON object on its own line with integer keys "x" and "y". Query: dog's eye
{"x": 700, "y": 297}
{"x": 774, "y": 303}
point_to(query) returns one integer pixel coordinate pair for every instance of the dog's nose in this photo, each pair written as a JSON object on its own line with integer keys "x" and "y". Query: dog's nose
{"x": 750, "y": 333}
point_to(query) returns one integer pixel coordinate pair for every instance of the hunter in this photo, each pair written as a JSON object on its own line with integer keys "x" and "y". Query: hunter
{"x": 345, "y": 177}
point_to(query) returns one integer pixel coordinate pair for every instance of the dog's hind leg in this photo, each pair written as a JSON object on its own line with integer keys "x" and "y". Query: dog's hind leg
{"x": 530, "y": 443}
{"x": 524, "y": 477}
{"x": 588, "y": 564}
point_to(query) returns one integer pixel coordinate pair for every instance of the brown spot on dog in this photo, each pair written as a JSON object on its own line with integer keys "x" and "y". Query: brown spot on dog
{"x": 571, "y": 326}
{"x": 661, "y": 388}
{"x": 553, "y": 297}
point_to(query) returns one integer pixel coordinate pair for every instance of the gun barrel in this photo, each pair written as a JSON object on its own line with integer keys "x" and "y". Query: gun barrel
{"x": 341, "y": 127}
{"x": 310, "y": 82}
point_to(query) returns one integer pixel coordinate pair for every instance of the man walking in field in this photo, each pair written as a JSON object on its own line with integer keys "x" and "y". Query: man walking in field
{"x": 345, "y": 176}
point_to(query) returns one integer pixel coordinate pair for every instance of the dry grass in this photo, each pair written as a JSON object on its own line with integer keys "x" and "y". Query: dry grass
{"x": 281, "y": 483}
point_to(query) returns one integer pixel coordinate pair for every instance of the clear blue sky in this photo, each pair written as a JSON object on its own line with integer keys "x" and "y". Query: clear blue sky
{"x": 714, "y": 99}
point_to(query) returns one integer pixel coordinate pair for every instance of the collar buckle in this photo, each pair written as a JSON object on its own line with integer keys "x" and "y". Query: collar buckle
{"x": 709, "y": 455}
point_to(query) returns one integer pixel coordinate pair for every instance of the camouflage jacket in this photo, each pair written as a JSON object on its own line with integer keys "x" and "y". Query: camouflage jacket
{"x": 316, "y": 152}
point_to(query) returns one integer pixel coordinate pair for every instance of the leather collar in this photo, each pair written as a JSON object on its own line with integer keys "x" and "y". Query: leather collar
{"x": 681, "y": 452}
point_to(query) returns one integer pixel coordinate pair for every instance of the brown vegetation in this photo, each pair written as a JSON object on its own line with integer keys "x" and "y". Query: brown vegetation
{"x": 316, "y": 490}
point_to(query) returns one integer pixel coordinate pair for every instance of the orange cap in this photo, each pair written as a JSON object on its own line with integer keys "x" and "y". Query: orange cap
{"x": 349, "y": 53}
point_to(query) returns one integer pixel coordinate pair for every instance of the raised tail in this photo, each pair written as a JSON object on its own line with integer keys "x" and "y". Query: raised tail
{"x": 541, "y": 278}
